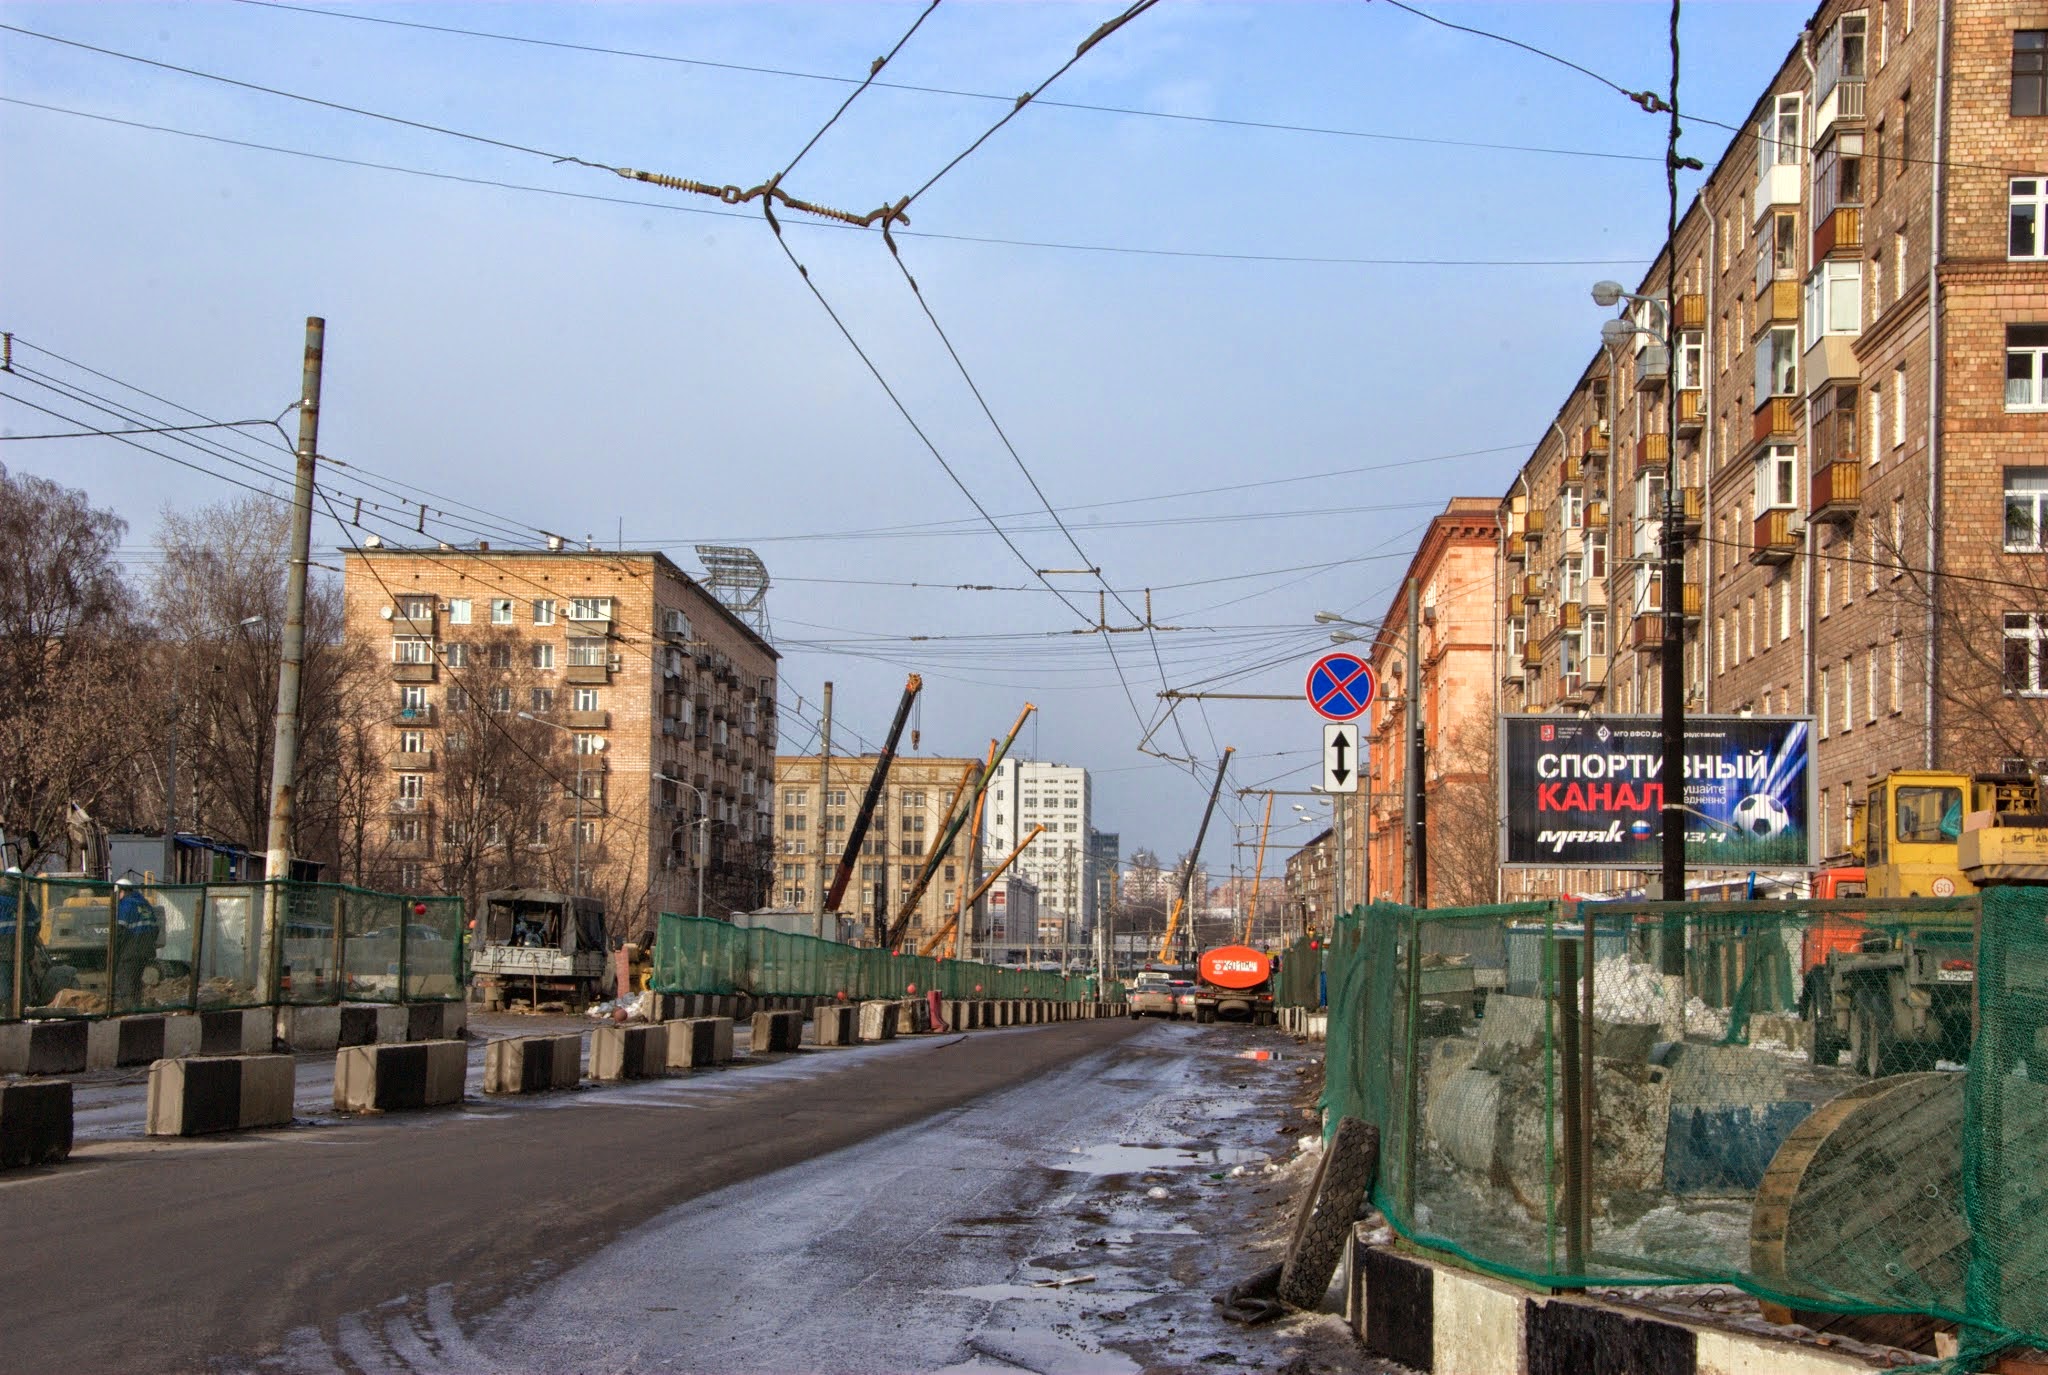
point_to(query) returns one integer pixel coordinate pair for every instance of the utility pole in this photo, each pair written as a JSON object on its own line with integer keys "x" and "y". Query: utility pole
{"x": 824, "y": 867}
{"x": 1418, "y": 802}
{"x": 284, "y": 756}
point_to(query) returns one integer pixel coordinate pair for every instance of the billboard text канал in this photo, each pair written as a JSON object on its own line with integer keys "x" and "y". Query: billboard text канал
{"x": 1587, "y": 792}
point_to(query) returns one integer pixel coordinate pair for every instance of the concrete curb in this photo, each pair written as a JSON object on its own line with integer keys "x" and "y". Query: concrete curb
{"x": 201, "y": 1095}
{"x": 35, "y": 1123}
{"x": 400, "y": 1077}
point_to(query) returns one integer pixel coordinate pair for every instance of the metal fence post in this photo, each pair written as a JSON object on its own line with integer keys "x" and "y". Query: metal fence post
{"x": 1574, "y": 1124}
{"x": 337, "y": 977}
{"x": 1411, "y": 1128}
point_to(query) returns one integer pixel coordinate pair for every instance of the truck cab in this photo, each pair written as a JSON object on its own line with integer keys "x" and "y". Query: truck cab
{"x": 540, "y": 944}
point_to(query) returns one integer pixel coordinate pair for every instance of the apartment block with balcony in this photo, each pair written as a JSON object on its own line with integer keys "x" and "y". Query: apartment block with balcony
{"x": 1854, "y": 413}
{"x": 813, "y": 823}
{"x": 1029, "y": 792}
{"x": 531, "y": 700}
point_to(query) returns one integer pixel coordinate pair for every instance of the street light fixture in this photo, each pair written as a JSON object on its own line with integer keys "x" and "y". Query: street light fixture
{"x": 1345, "y": 637}
{"x": 1607, "y": 295}
{"x": 576, "y": 829}
{"x": 702, "y": 851}
{"x": 1332, "y": 618}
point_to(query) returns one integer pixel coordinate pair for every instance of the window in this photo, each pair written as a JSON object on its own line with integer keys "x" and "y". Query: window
{"x": 795, "y": 821}
{"x": 2028, "y": 212}
{"x": 836, "y": 798}
{"x": 543, "y": 611}
{"x": 413, "y": 786}
{"x": 1571, "y": 583}
{"x": 1876, "y": 423}
{"x": 590, "y": 608}
{"x": 1870, "y": 685}
{"x": 1517, "y": 632}
{"x": 2030, "y": 72}
{"x": 415, "y": 608}
{"x": 586, "y": 651}
{"x": 412, "y": 699}
{"x": 2026, "y": 506}
{"x": 543, "y": 700}
{"x": 586, "y": 832}
{"x": 412, "y": 742}
{"x": 1596, "y": 632}
{"x": 501, "y": 611}
{"x": 1898, "y": 671}
{"x": 458, "y": 700}
{"x": 406, "y": 829}
{"x": 1827, "y": 587}
{"x": 1692, "y": 360}
{"x": 1899, "y": 406}
{"x": 458, "y": 611}
{"x": 1784, "y": 609}
{"x": 1837, "y": 175}
{"x": 544, "y": 656}
{"x": 585, "y": 699}
{"x": 1720, "y": 645}
{"x": 412, "y": 649}
{"x": 1777, "y": 364}
{"x": 1777, "y": 135}
{"x": 1882, "y": 159}
{"x": 1834, "y": 298}
{"x": 1775, "y": 471}
{"x": 2026, "y": 367}
{"x": 1572, "y": 509}
{"x": 501, "y": 699}
{"x": 1898, "y": 263}
{"x": 1826, "y": 712}
{"x": 1848, "y": 693}
{"x": 1596, "y": 561}
{"x": 456, "y": 653}
{"x": 1898, "y": 559}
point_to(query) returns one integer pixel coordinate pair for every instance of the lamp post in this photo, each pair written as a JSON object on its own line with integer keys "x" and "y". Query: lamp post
{"x": 576, "y": 827}
{"x": 701, "y": 853}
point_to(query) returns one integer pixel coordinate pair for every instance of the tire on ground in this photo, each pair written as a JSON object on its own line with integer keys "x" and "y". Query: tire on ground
{"x": 1342, "y": 1185}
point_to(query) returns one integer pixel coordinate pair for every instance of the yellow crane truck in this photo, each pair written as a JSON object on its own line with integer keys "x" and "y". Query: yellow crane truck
{"x": 1895, "y": 991}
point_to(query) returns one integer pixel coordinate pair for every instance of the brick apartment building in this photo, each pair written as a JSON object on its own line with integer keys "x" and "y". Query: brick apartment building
{"x": 1854, "y": 420}
{"x": 1458, "y": 584}
{"x": 508, "y": 675}
{"x": 1310, "y": 886}
{"x": 811, "y": 831}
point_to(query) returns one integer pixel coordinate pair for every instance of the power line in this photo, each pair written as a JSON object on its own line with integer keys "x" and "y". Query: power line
{"x": 1121, "y": 250}
{"x": 873, "y": 72}
{"x": 149, "y": 429}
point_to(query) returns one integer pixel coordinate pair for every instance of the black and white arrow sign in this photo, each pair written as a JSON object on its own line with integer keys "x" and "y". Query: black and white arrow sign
{"x": 1341, "y": 759}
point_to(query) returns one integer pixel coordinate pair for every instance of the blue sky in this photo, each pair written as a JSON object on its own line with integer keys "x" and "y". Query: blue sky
{"x": 601, "y": 368}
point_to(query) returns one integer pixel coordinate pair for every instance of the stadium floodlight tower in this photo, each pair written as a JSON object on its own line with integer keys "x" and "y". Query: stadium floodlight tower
{"x": 739, "y": 580}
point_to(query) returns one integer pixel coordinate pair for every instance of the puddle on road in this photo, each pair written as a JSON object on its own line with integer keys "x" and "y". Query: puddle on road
{"x": 1137, "y": 1159}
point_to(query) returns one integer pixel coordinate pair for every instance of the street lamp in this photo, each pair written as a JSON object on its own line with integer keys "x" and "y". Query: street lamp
{"x": 576, "y": 830}
{"x": 702, "y": 852}
{"x": 1346, "y": 637}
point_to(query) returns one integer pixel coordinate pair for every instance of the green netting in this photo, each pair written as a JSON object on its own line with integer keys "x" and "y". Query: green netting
{"x": 83, "y": 948}
{"x": 1298, "y": 982}
{"x": 1838, "y": 1106}
{"x": 703, "y": 955}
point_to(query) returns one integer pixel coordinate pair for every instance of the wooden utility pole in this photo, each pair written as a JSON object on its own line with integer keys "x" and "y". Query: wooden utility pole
{"x": 284, "y": 754}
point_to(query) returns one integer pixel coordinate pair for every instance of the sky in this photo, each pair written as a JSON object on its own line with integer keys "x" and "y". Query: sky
{"x": 1243, "y": 365}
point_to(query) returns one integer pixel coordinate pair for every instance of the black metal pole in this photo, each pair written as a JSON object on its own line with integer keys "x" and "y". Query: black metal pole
{"x": 1672, "y": 955}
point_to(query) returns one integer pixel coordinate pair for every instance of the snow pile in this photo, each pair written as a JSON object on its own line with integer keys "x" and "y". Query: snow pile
{"x": 1626, "y": 990}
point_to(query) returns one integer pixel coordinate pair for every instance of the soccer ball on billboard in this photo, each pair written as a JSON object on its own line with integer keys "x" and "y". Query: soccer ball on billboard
{"x": 1762, "y": 816}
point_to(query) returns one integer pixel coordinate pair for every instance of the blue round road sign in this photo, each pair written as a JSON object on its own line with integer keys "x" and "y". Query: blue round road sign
{"x": 1341, "y": 687}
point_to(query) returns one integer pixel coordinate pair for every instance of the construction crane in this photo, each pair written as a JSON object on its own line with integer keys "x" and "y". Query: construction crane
{"x": 953, "y": 925}
{"x": 897, "y": 928}
{"x": 874, "y": 793}
{"x": 1251, "y": 916}
{"x": 1187, "y": 878}
{"x": 952, "y": 931}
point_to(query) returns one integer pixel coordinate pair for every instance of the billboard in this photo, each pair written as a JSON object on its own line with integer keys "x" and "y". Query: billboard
{"x": 1587, "y": 792}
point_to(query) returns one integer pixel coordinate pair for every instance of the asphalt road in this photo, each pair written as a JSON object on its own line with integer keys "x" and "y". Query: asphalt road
{"x": 891, "y": 1207}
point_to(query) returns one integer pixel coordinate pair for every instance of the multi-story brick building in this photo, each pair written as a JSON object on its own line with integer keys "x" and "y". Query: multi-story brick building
{"x": 550, "y": 711}
{"x": 1457, "y": 588}
{"x": 1311, "y": 885}
{"x": 1854, "y": 420}
{"x": 812, "y": 826}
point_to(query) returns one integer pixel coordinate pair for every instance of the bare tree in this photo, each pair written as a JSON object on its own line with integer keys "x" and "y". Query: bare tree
{"x": 1464, "y": 820}
{"x": 73, "y": 666}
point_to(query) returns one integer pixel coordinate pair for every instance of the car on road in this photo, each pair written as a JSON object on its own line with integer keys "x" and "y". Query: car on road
{"x": 1184, "y": 998}
{"x": 1157, "y": 995}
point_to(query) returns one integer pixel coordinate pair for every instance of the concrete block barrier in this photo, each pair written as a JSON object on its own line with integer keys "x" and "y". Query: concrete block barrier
{"x": 778, "y": 1033}
{"x": 237, "y": 1031}
{"x": 835, "y": 1024}
{"x": 55, "y": 1047}
{"x": 533, "y": 1064}
{"x": 117, "y": 1041}
{"x": 219, "y": 1093}
{"x": 181, "y": 1035}
{"x": 699, "y": 1042}
{"x": 437, "y": 1021}
{"x": 35, "y": 1123}
{"x": 878, "y": 1021}
{"x": 309, "y": 1028}
{"x": 401, "y": 1077}
{"x": 628, "y": 1052}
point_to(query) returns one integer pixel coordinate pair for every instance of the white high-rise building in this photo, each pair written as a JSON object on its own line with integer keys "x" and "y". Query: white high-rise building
{"x": 1027, "y": 793}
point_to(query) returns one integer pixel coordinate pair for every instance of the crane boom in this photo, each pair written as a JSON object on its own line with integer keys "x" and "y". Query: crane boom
{"x": 1187, "y": 878}
{"x": 974, "y": 897}
{"x": 873, "y": 795}
{"x": 894, "y": 934}
{"x": 1251, "y": 916}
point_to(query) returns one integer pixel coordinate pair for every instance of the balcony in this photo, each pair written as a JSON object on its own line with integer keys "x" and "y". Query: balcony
{"x": 1692, "y": 508}
{"x": 412, "y": 761}
{"x": 1532, "y": 588}
{"x": 1574, "y": 470}
{"x": 415, "y": 848}
{"x": 413, "y": 717}
{"x": 1596, "y": 438}
{"x": 1778, "y": 420}
{"x": 414, "y": 673}
{"x": 1779, "y": 185}
{"x": 1653, "y": 368}
{"x": 1518, "y": 606}
{"x": 1843, "y": 104}
{"x": 1569, "y": 615}
{"x": 1518, "y": 548}
{"x": 1532, "y": 529}
{"x": 1841, "y": 232}
{"x": 1774, "y": 541}
{"x": 1692, "y": 410}
{"x": 1596, "y": 515}
{"x": 402, "y": 624}
{"x": 598, "y": 617}
{"x": 589, "y": 720}
{"x": 1778, "y": 305}
{"x": 1532, "y": 655}
{"x": 587, "y": 674}
{"x": 1837, "y": 492}
{"x": 1653, "y": 451}
{"x": 1692, "y": 311}
{"x": 1647, "y": 630}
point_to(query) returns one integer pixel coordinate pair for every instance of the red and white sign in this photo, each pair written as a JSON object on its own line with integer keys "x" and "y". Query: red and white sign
{"x": 1340, "y": 686}
{"x": 1236, "y": 966}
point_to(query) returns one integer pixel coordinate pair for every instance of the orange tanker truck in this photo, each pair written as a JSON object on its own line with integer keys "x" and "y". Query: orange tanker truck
{"x": 1234, "y": 982}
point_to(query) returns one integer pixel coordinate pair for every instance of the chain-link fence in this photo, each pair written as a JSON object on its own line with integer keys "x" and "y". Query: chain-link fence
{"x": 703, "y": 955}
{"x": 1840, "y": 1107}
{"x": 82, "y": 948}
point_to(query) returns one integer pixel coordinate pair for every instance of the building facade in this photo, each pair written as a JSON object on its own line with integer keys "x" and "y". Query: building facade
{"x": 1851, "y": 423}
{"x": 812, "y": 825}
{"x": 1311, "y": 885}
{"x": 1457, "y": 579}
{"x": 564, "y": 718}
{"x": 1105, "y": 857}
{"x": 1027, "y": 793}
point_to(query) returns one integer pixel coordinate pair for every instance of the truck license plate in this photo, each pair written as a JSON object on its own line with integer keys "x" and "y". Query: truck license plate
{"x": 1955, "y": 976}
